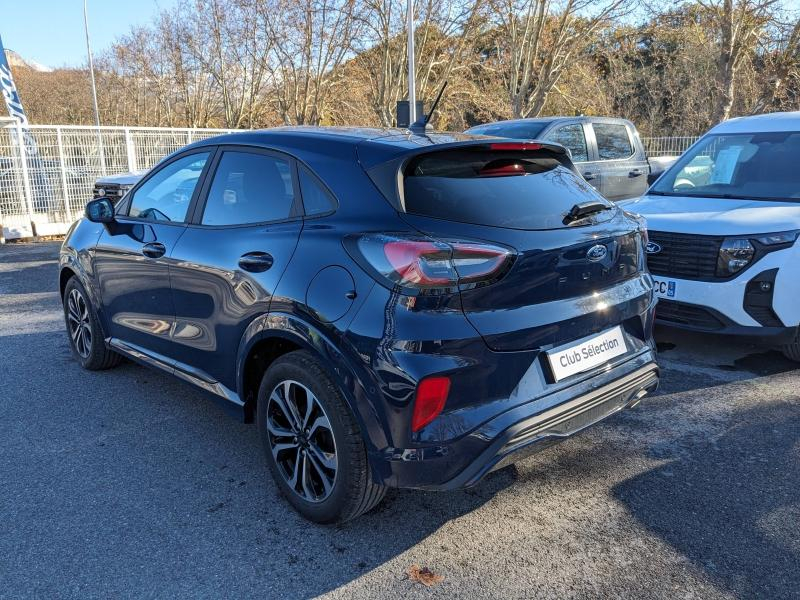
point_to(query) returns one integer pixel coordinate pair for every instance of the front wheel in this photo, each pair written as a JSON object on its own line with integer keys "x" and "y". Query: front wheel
{"x": 85, "y": 334}
{"x": 792, "y": 350}
{"x": 313, "y": 443}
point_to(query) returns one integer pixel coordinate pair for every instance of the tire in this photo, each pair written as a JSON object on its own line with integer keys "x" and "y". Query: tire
{"x": 85, "y": 335}
{"x": 316, "y": 454}
{"x": 792, "y": 351}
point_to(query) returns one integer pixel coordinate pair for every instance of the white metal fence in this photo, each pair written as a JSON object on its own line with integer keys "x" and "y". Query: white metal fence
{"x": 43, "y": 193}
{"x": 668, "y": 146}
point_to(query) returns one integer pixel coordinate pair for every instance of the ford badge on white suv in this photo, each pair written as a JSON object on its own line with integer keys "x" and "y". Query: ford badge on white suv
{"x": 723, "y": 224}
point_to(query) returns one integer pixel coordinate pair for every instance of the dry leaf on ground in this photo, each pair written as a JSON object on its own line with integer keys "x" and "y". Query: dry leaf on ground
{"x": 423, "y": 575}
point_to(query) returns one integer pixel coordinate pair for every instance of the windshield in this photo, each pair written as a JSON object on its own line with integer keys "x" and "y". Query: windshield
{"x": 751, "y": 166}
{"x": 526, "y": 130}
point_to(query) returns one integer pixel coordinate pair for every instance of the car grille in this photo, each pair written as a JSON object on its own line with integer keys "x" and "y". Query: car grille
{"x": 112, "y": 190}
{"x": 671, "y": 312}
{"x": 684, "y": 256}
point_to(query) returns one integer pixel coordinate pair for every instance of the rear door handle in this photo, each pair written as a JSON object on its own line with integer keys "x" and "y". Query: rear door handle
{"x": 256, "y": 262}
{"x": 635, "y": 173}
{"x": 589, "y": 176}
{"x": 154, "y": 250}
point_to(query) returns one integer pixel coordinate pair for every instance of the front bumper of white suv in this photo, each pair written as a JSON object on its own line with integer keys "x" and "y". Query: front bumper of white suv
{"x": 761, "y": 300}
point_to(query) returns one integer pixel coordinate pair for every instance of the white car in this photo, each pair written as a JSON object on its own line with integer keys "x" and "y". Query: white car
{"x": 116, "y": 186}
{"x": 724, "y": 222}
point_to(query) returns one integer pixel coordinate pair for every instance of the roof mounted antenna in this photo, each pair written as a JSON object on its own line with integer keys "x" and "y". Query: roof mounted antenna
{"x": 420, "y": 124}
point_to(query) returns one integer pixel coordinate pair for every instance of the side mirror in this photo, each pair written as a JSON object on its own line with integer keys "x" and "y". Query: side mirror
{"x": 100, "y": 211}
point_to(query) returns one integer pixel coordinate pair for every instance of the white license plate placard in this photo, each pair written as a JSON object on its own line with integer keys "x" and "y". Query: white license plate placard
{"x": 587, "y": 354}
{"x": 665, "y": 288}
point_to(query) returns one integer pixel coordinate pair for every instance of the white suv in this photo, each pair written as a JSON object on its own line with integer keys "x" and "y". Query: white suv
{"x": 724, "y": 223}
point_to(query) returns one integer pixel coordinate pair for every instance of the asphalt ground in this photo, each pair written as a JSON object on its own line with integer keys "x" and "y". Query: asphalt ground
{"x": 129, "y": 483}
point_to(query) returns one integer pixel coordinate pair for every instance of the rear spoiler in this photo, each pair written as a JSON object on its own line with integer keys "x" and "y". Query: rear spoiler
{"x": 388, "y": 175}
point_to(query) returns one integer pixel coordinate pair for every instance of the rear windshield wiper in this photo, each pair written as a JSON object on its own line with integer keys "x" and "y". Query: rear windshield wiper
{"x": 584, "y": 209}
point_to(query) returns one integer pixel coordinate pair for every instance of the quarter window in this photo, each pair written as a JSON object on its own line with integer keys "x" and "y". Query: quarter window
{"x": 316, "y": 200}
{"x": 573, "y": 138}
{"x": 166, "y": 195}
{"x": 613, "y": 141}
{"x": 249, "y": 188}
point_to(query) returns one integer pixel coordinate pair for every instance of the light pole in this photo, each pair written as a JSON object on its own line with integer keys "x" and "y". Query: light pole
{"x": 94, "y": 87}
{"x": 412, "y": 87}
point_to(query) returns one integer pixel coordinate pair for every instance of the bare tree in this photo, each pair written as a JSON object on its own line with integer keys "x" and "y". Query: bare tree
{"x": 739, "y": 25}
{"x": 187, "y": 78}
{"x": 782, "y": 64}
{"x": 445, "y": 30}
{"x": 255, "y": 63}
{"x": 310, "y": 40}
{"x": 229, "y": 39}
{"x": 537, "y": 40}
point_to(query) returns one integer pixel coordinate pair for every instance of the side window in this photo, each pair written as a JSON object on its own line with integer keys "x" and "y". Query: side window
{"x": 249, "y": 188}
{"x": 572, "y": 137}
{"x": 165, "y": 196}
{"x": 316, "y": 199}
{"x": 613, "y": 141}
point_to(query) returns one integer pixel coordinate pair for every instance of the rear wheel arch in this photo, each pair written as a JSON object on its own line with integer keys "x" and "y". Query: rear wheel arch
{"x": 260, "y": 356}
{"x": 298, "y": 335}
{"x": 333, "y": 447}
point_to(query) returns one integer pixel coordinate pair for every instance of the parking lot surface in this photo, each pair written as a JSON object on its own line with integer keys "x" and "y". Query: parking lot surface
{"x": 130, "y": 483}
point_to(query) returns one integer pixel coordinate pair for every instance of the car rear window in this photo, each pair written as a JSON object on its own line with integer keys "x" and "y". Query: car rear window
{"x": 512, "y": 189}
{"x": 519, "y": 131}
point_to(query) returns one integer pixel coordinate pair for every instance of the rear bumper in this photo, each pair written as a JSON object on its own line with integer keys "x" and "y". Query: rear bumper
{"x": 544, "y": 429}
{"x": 526, "y": 429}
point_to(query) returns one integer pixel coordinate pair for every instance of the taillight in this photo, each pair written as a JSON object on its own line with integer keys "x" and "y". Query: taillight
{"x": 429, "y": 401}
{"x": 422, "y": 264}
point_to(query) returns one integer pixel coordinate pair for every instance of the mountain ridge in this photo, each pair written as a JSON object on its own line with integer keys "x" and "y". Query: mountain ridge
{"x": 16, "y": 60}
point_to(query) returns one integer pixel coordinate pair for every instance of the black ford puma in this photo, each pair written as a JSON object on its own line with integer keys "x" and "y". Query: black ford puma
{"x": 392, "y": 309}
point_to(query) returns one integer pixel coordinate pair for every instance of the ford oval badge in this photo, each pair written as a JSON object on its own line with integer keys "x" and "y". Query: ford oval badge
{"x": 652, "y": 248}
{"x": 597, "y": 253}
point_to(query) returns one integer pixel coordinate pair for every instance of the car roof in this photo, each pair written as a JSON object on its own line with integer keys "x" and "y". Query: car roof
{"x": 302, "y": 135}
{"x": 375, "y": 144}
{"x": 778, "y": 121}
{"x": 511, "y": 121}
{"x": 553, "y": 119}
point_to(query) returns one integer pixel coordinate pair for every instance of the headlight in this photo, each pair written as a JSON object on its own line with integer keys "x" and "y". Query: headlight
{"x": 734, "y": 255}
{"x": 773, "y": 239}
{"x": 642, "y": 227}
{"x": 101, "y": 192}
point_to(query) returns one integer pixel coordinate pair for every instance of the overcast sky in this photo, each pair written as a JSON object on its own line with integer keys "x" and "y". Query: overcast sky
{"x": 50, "y": 32}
